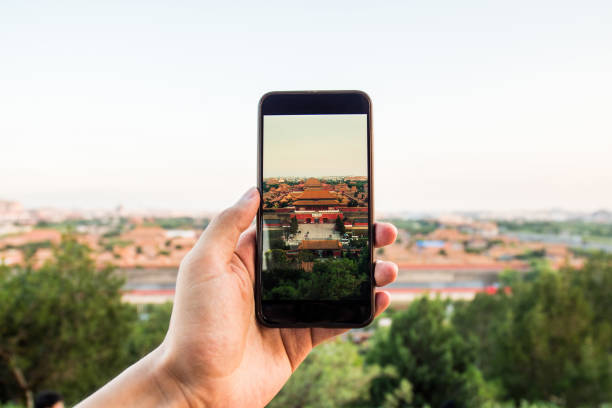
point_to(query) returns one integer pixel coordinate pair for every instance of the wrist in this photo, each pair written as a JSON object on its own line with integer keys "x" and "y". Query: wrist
{"x": 163, "y": 378}
{"x": 170, "y": 374}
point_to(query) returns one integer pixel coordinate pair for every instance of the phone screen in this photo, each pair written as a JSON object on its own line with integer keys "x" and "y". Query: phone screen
{"x": 315, "y": 210}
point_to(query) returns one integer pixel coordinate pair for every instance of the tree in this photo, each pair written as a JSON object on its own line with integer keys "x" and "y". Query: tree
{"x": 340, "y": 226}
{"x": 306, "y": 255}
{"x": 278, "y": 258}
{"x": 333, "y": 375}
{"x": 555, "y": 342}
{"x": 293, "y": 227}
{"x": 479, "y": 321}
{"x": 63, "y": 326}
{"x": 149, "y": 331}
{"x": 425, "y": 349}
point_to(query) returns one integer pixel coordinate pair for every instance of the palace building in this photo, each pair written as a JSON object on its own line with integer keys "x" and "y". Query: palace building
{"x": 313, "y": 201}
{"x": 313, "y": 184}
{"x": 316, "y": 200}
{"x": 316, "y": 206}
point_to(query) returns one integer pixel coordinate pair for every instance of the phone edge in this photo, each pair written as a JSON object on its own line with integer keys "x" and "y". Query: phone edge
{"x": 371, "y": 233}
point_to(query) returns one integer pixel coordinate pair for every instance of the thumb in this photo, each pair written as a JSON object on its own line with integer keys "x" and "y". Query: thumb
{"x": 220, "y": 237}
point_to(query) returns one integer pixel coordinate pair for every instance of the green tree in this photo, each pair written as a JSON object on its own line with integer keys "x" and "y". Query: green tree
{"x": 63, "y": 326}
{"x": 425, "y": 349}
{"x": 595, "y": 279}
{"x": 149, "y": 331}
{"x": 293, "y": 227}
{"x": 554, "y": 344}
{"x": 333, "y": 375}
{"x": 278, "y": 258}
{"x": 340, "y": 226}
{"x": 400, "y": 397}
{"x": 277, "y": 240}
{"x": 479, "y": 321}
{"x": 306, "y": 255}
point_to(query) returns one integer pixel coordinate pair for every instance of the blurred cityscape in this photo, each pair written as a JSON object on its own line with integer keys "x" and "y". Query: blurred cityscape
{"x": 452, "y": 255}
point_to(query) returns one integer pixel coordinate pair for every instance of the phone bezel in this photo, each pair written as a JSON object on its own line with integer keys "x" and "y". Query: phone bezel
{"x": 354, "y": 313}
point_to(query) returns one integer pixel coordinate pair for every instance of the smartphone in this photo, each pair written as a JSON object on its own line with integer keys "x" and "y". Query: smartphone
{"x": 314, "y": 264}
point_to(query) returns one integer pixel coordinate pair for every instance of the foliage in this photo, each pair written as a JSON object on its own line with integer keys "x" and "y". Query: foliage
{"x": 293, "y": 227}
{"x": 400, "y": 397}
{"x": 62, "y": 326}
{"x": 544, "y": 340}
{"x": 522, "y": 404}
{"x": 330, "y": 279}
{"x": 413, "y": 227}
{"x": 584, "y": 229}
{"x": 333, "y": 375}
{"x": 548, "y": 338}
{"x": 531, "y": 254}
{"x": 10, "y": 405}
{"x": 179, "y": 223}
{"x": 306, "y": 256}
{"x": 554, "y": 344}
{"x": 425, "y": 349}
{"x": 339, "y": 226}
{"x": 476, "y": 321}
{"x": 149, "y": 331}
{"x": 276, "y": 240}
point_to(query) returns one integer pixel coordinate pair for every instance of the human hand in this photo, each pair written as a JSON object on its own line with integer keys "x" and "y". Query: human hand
{"x": 215, "y": 353}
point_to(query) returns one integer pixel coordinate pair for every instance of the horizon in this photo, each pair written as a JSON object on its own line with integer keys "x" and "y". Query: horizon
{"x": 405, "y": 213}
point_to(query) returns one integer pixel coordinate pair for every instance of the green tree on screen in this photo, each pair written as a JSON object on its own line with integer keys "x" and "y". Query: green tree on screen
{"x": 339, "y": 226}
{"x": 293, "y": 227}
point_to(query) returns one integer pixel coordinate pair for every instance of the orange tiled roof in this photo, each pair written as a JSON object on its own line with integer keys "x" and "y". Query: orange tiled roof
{"x": 312, "y": 182}
{"x": 316, "y": 195}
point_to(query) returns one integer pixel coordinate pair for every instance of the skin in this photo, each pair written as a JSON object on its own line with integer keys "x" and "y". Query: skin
{"x": 215, "y": 353}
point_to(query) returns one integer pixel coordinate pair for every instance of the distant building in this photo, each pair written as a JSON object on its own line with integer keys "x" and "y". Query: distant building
{"x": 312, "y": 184}
{"x": 316, "y": 200}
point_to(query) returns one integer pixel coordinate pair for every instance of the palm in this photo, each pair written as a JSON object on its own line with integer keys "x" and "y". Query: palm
{"x": 220, "y": 336}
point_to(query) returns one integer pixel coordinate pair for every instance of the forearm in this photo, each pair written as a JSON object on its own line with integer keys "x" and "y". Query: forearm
{"x": 144, "y": 384}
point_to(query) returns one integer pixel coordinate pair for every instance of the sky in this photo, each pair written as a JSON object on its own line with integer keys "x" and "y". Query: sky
{"x": 478, "y": 105}
{"x": 315, "y": 145}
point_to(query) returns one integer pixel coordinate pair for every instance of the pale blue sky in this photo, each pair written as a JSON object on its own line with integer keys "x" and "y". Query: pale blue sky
{"x": 477, "y": 104}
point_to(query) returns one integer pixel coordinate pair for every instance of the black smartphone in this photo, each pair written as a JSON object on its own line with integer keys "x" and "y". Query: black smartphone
{"x": 314, "y": 264}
